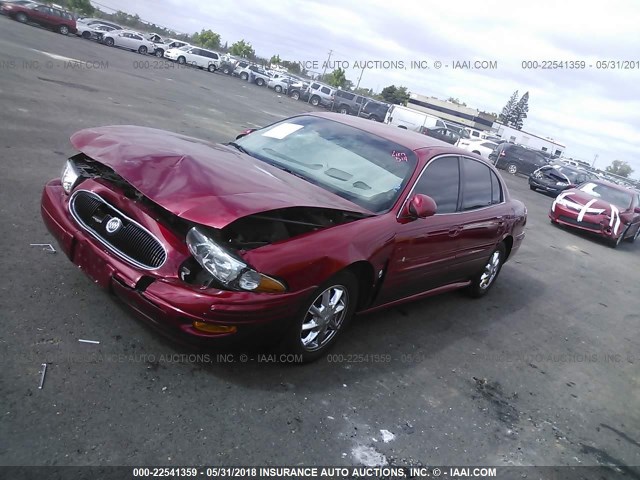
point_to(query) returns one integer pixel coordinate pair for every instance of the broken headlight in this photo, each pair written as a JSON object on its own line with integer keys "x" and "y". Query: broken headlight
{"x": 69, "y": 176}
{"x": 227, "y": 268}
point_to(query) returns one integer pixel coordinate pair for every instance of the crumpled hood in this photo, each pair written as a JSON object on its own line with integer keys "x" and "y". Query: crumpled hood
{"x": 202, "y": 182}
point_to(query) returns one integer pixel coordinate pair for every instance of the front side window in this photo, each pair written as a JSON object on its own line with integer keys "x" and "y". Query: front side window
{"x": 363, "y": 168}
{"x": 441, "y": 181}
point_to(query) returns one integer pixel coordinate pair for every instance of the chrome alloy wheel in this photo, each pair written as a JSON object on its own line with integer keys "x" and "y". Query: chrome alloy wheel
{"x": 324, "y": 318}
{"x": 490, "y": 270}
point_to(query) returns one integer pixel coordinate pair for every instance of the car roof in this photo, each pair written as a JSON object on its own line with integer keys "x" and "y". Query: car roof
{"x": 407, "y": 138}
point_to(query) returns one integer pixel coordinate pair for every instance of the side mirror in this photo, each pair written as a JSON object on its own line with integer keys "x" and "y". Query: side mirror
{"x": 636, "y": 210}
{"x": 422, "y": 206}
{"x": 245, "y": 133}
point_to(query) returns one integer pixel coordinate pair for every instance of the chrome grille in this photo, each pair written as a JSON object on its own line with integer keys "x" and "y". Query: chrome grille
{"x": 129, "y": 239}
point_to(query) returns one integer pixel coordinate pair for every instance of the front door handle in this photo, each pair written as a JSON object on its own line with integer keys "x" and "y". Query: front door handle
{"x": 455, "y": 230}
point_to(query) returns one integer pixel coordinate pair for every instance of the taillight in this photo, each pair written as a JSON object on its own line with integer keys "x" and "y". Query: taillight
{"x": 503, "y": 153}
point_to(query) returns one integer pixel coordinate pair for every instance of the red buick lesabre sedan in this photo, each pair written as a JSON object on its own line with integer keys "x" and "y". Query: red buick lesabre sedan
{"x": 291, "y": 228}
{"x": 599, "y": 207}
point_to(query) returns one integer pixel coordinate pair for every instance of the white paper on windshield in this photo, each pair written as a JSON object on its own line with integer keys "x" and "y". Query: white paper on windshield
{"x": 588, "y": 188}
{"x": 282, "y": 130}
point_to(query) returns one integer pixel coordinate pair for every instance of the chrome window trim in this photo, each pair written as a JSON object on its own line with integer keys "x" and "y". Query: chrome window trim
{"x": 504, "y": 199}
{"x": 95, "y": 235}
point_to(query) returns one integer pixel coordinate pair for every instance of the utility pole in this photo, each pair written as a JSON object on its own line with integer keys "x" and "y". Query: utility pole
{"x": 326, "y": 64}
{"x": 594, "y": 160}
{"x": 358, "y": 85}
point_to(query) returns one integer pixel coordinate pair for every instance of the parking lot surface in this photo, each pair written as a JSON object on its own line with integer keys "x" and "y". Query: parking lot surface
{"x": 542, "y": 371}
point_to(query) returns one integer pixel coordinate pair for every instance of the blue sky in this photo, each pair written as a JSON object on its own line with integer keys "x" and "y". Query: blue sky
{"x": 592, "y": 111}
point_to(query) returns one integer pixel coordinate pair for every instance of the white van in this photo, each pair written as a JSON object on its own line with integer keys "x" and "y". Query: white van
{"x": 194, "y": 56}
{"x": 410, "y": 119}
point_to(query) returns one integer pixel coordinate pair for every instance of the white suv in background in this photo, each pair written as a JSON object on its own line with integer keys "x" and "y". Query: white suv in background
{"x": 194, "y": 56}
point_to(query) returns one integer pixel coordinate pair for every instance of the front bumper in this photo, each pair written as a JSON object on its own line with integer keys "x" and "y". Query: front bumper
{"x": 597, "y": 224}
{"x": 555, "y": 189}
{"x": 165, "y": 302}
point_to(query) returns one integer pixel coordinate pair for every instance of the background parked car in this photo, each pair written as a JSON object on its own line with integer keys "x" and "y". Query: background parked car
{"x": 195, "y": 56}
{"x": 320, "y": 95}
{"x": 411, "y": 119}
{"x": 94, "y": 31}
{"x": 281, "y": 85}
{"x": 98, "y": 21}
{"x": 166, "y": 44}
{"x": 255, "y": 74}
{"x": 374, "y": 110}
{"x": 441, "y": 133}
{"x": 348, "y": 102}
{"x": 484, "y": 148}
{"x": 554, "y": 179}
{"x": 14, "y": 2}
{"x": 517, "y": 158}
{"x": 133, "y": 41}
{"x": 50, "y": 17}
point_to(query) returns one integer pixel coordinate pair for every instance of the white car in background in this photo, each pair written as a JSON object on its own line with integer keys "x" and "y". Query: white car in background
{"x": 194, "y": 56}
{"x": 281, "y": 84}
{"x": 477, "y": 146}
{"x": 94, "y": 31}
{"x": 130, "y": 40}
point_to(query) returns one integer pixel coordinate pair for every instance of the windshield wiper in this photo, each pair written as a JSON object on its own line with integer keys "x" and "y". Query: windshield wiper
{"x": 238, "y": 147}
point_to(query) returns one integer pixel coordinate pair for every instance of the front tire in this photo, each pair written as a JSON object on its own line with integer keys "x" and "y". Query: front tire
{"x": 512, "y": 168}
{"x": 226, "y": 70}
{"x": 633, "y": 239}
{"x": 260, "y": 82}
{"x": 295, "y": 95}
{"x": 244, "y": 76}
{"x": 344, "y": 110}
{"x": 109, "y": 42}
{"x": 322, "y": 318}
{"x": 484, "y": 280}
{"x": 315, "y": 101}
{"x": 86, "y": 35}
{"x": 613, "y": 243}
{"x": 142, "y": 50}
{"x": 278, "y": 89}
{"x": 159, "y": 53}
{"x": 182, "y": 60}
{"x": 22, "y": 17}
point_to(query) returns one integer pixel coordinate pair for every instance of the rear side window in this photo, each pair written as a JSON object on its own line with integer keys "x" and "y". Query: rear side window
{"x": 476, "y": 185}
{"x": 496, "y": 189}
{"x": 325, "y": 90}
{"x": 441, "y": 181}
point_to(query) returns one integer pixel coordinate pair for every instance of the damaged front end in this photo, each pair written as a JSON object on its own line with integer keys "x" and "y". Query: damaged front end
{"x": 216, "y": 254}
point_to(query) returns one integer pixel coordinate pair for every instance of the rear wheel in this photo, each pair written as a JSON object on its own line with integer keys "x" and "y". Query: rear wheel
{"x": 226, "y": 70}
{"x": 142, "y": 50}
{"x": 315, "y": 101}
{"x": 344, "y": 110}
{"x": 484, "y": 280}
{"x": 374, "y": 118}
{"x": 22, "y": 17}
{"x": 260, "y": 82}
{"x": 212, "y": 68}
{"x": 109, "y": 42}
{"x": 295, "y": 95}
{"x": 86, "y": 35}
{"x": 159, "y": 53}
{"x": 278, "y": 89}
{"x": 323, "y": 318}
{"x": 512, "y": 168}
{"x": 244, "y": 76}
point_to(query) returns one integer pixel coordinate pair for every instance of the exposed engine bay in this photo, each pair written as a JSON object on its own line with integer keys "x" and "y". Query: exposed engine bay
{"x": 277, "y": 225}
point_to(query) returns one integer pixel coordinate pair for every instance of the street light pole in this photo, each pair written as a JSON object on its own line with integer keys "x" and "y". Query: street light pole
{"x": 326, "y": 64}
{"x": 358, "y": 85}
{"x": 594, "y": 160}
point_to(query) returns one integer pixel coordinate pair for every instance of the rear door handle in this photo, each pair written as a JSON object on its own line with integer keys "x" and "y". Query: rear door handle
{"x": 455, "y": 230}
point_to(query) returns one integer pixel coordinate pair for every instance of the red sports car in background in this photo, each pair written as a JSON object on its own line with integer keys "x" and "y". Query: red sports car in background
{"x": 295, "y": 226}
{"x": 599, "y": 207}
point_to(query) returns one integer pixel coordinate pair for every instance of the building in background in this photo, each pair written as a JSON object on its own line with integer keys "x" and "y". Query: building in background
{"x": 451, "y": 112}
{"x": 528, "y": 139}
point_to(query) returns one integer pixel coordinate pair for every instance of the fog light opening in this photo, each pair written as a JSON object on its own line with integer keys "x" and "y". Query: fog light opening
{"x": 212, "y": 328}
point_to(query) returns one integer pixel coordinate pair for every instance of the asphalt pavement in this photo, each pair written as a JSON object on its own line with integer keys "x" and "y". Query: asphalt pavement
{"x": 542, "y": 371}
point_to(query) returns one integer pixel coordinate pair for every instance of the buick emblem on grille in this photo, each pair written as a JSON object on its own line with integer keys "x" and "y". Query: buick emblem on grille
{"x": 113, "y": 225}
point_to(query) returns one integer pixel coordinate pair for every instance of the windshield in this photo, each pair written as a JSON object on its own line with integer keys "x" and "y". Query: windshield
{"x": 608, "y": 194}
{"x": 363, "y": 168}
